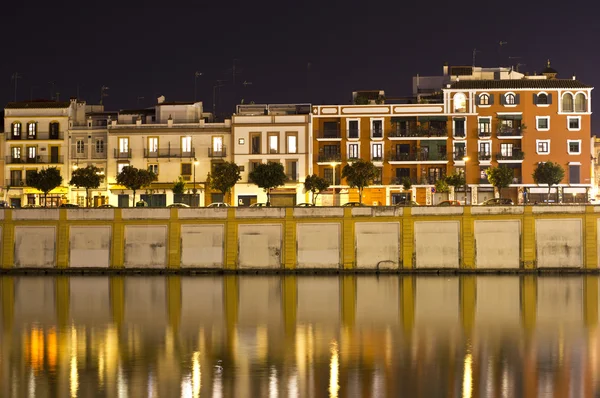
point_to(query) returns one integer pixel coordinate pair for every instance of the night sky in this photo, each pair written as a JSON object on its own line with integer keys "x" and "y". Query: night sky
{"x": 288, "y": 51}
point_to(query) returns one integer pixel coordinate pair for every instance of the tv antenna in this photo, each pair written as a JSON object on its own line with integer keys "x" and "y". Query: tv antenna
{"x": 247, "y": 83}
{"x": 219, "y": 84}
{"x": 52, "y": 83}
{"x": 475, "y": 51}
{"x": 197, "y": 74}
{"x": 16, "y": 76}
{"x": 103, "y": 93}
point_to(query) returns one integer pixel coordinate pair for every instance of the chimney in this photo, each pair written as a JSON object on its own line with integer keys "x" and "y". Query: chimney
{"x": 445, "y": 68}
{"x": 161, "y": 99}
{"x": 574, "y": 78}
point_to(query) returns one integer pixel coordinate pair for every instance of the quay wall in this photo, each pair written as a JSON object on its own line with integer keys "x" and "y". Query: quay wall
{"x": 466, "y": 238}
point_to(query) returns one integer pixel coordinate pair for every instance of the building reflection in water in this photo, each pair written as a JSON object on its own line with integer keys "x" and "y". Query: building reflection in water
{"x": 367, "y": 336}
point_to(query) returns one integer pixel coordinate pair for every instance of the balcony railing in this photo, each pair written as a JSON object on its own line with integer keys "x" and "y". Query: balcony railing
{"x": 400, "y": 180}
{"x": 328, "y": 134}
{"x": 485, "y": 134}
{"x": 217, "y": 154}
{"x": 423, "y": 132}
{"x": 292, "y": 177}
{"x": 507, "y": 131}
{"x": 353, "y": 134}
{"x": 484, "y": 156}
{"x": 459, "y": 155}
{"x": 377, "y": 158}
{"x": 459, "y": 133}
{"x": 98, "y": 154}
{"x": 122, "y": 154}
{"x": 403, "y": 157}
{"x": 515, "y": 155}
{"x": 169, "y": 153}
{"x": 329, "y": 157}
{"x": 15, "y": 182}
{"x": 377, "y": 133}
{"x": 37, "y": 136}
{"x": 36, "y": 160}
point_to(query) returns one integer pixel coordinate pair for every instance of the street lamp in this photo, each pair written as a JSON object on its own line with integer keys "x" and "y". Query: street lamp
{"x": 466, "y": 159}
{"x": 333, "y": 164}
{"x": 194, "y": 189}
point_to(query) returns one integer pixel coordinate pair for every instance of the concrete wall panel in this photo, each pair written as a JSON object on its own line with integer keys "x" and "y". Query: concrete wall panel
{"x": 318, "y": 245}
{"x": 202, "y": 246}
{"x": 498, "y": 244}
{"x": 35, "y": 214}
{"x": 145, "y": 246}
{"x": 559, "y": 243}
{"x": 437, "y": 244}
{"x": 430, "y": 211}
{"x": 89, "y": 246}
{"x": 35, "y": 247}
{"x": 141, "y": 213}
{"x": 259, "y": 245}
{"x": 377, "y": 244}
{"x": 318, "y": 212}
{"x": 497, "y": 210}
{"x": 91, "y": 214}
{"x": 260, "y": 212}
{"x": 558, "y": 209}
{"x": 208, "y": 213}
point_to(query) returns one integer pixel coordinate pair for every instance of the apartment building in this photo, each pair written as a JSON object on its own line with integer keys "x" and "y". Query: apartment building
{"x": 272, "y": 133}
{"x": 35, "y": 137}
{"x": 171, "y": 139}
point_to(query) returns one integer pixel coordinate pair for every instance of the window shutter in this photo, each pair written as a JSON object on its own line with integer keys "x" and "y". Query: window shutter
{"x": 477, "y": 100}
{"x": 502, "y": 99}
{"x": 549, "y": 99}
{"x": 535, "y": 97}
{"x": 491, "y": 99}
{"x": 517, "y": 99}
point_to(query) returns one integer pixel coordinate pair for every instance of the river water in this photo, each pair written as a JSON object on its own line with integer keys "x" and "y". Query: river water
{"x": 304, "y": 336}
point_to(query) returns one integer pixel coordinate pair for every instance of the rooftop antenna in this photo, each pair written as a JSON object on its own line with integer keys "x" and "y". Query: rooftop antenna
{"x": 519, "y": 65}
{"x": 52, "y": 83}
{"x": 219, "y": 84}
{"x": 475, "y": 51}
{"x": 500, "y": 43}
{"x": 103, "y": 93}
{"x": 247, "y": 83}
{"x": 197, "y": 74}
{"x": 16, "y": 76}
{"x": 57, "y": 96}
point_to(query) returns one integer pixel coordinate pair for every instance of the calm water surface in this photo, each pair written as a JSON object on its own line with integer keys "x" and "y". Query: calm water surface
{"x": 325, "y": 336}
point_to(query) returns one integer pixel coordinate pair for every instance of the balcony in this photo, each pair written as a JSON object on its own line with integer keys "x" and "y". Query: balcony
{"x": 122, "y": 154}
{"x": 38, "y": 136}
{"x": 15, "y": 182}
{"x": 377, "y": 133}
{"x": 484, "y": 134}
{"x": 353, "y": 134}
{"x": 169, "y": 153}
{"x": 459, "y": 133}
{"x": 328, "y": 135}
{"x": 458, "y": 156}
{"x": 377, "y": 158}
{"x": 98, "y": 154}
{"x": 420, "y": 132}
{"x": 484, "y": 156}
{"x": 514, "y": 157}
{"x": 329, "y": 157}
{"x": 510, "y": 132}
{"x": 400, "y": 180}
{"x": 222, "y": 153}
{"x": 423, "y": 157}
{"x": 36, "y": 160}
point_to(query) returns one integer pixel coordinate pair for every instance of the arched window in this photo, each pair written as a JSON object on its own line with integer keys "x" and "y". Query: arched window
{"x": 567, "y": 102}
{"x": 16, "y": 130}
{"x": 580, "y": 103}
{"x": 510, "y": 99}
{"x": 460, "y": 103}
{"x": 542, "y": 99}
{"x": 484, "y": 99}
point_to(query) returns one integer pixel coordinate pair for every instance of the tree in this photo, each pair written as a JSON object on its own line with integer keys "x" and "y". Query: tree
{"x": 178, "y": 186}
{"x": 549, "y": 173}
{"x": 44, "y": 180}
{"x": 441, "y": 186}
{"x": 224, "y": 178}
{"x": 268, "y": 176}
{"x": 360, "y": 174}
{"x": 316, "y": 185}
{"x": 87, "y": 177}
{"x": 135, "y": 179}
{"x": 500, "y": 177}
{"x": 456, "y": 180}
{"x": 406, "y": 183}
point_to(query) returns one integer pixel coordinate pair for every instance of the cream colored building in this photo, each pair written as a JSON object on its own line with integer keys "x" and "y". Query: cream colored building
{"x": 172, "y": 139}
{"x": 272, "y": 133}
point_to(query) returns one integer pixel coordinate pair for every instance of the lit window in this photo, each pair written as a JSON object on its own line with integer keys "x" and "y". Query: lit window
{"x": 460, "y": 103}
{"x": 543, "y": 147}
{"x": 16, "y": 152}
{"x": 292, "y": 143}
{"x": 377, "y": 152}
{"x": 79, "y": 147}
{"x": 353, "y": 151}
{"x": 153, "y": 144}
{"x": 186, "y": 144}
{"x": 123, "y": 145}
{"x": 274, "y": 143}
{"x": 31, "y": 129}
{"x": 16, "y": 129}
{"x": 506, "y": 149}
{"x": 484, "y": 99}
{"x": 120, "y": 167}
{"x": 217, "y": 144}
{"x": 510, "y": 99}
{"x": 31, "y": 152}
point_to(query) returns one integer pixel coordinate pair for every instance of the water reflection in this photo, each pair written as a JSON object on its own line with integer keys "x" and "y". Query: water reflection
{"x": 290, "y": 336}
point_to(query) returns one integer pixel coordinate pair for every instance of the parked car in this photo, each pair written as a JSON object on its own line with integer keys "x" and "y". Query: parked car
{"x": 305, "y": 205}
{"x": 141, "y": 203}
{"x": 407, "y": 203}
{"x": 450, "y": 203}
{"x": 27, "y": 206}
{"x": 498, "y": 202}
{"x": 106, "y": 206}
{"x": 4, "y": 204}
{"x": 70, "y": 205}
{"x": 178, "y": 205}
{"x": 218, "y": 204}
{"x": 354, "y": 204}
{"x": 260, "y": 205}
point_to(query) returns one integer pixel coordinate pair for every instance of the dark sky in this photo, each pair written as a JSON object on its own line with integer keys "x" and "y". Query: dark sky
{"x": 153, "y": 48}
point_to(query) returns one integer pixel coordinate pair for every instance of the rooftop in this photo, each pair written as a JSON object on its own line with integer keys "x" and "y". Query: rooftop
{"x": 518, "y": 84}
{"x": 37, "y": 104}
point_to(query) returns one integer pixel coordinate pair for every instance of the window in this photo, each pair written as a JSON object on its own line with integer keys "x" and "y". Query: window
{"x": 153, "y": 168}
{"x": 16, "y": 130}
{"x": 124, "y": 145}
{"x": 542, "y": 99}
{"x": 484, "y": 150}
{"x": 99, "y": 146}
{"x": 54, "y": 127}
{"x": 459, "y": 127}
{"x": 506, "y": 150}
{"x": 273, "y": 142}
{"x": 460, "y": 103}
{"x": 15, "y": 152}
{"x": 353, "y": 151}
{"x": 543, "y": 123}
{"x": 186, "y": 169}
{"x": 291, "y": 167}
{"x": 328, "y": 175}
{"x": 573, "y": 123}
{"x": 378, "y": 152}
{"x": 331, "y": 130}
{"x": 79, "y": 147}
{"x": 186, "y": 144}
{"x": 152, "y": 144}
{"x": 574, "y": 174}
{"x": 510, "y": 99}
{"x": 31, "y": 152}
{"x": 31, "y": 129}
{"x": 255, "y": 143}
{"x": 120, "y": 167}
{"x": 485, "y": 127}
{"x": 378, "y": 180}
{"x": 377, "y": 128}
{"x": 567, "y": 102}
{"x": 353, "y": 129}
{"x": 580, "y": 103}
{"x": 574, "y": 147}
{"x": 459, "y": 151}
{"x": 542, "y": 147}
{"x": 484, "y": 99}
{"x": 292, "y": 142}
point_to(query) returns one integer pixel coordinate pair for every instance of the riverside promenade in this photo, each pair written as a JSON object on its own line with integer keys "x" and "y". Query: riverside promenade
{"x": 295, "y": 240}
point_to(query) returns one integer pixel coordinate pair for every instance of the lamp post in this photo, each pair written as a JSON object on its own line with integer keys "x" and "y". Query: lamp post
{"x": 466, "y": 159}
{"x": 75, "y": 167}
{"x": 333, "y": 164}
{"x": 194, "y": 190}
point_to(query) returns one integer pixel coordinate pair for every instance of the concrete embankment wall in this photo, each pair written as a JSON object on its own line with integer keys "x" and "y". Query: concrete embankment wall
{"x": 369, "y": 238}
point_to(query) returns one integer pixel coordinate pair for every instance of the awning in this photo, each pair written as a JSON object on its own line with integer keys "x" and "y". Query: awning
{"x": 433, "y": 119}
{"x": 117, "y": 187}
{"x": 404, "y": 119}
{"x": 510, "y": 117}
{"x": 55, "y": 191}
{"x": 460, "y": 119}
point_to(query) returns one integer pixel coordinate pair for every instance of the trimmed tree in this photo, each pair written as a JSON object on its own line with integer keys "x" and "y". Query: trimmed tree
{"x": 360, "y": 174}
{"x": 316, "y": 185}
{"x": 548, "y": 173}
{"x": 224, "y": 178}
{"x": 457, "y": 180}
{"x": 441, "y": 186}
{"x": 86, "y": 177}
{"x": 178, "y": 186}
{"x": 500, "y": 177}
{"x": 44, "y": 180}
{"x": 135, "y": 179}
{"x": 268, "y": 176}
{"x": 406, "y": 183}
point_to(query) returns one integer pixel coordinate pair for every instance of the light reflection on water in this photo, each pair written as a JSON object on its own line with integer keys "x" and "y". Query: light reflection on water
{"x": 271, "y": 336}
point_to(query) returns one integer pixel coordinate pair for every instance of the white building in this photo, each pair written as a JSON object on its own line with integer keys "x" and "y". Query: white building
{"x": 35, "y": 138}
{"x": 172, "y": 139}
{"x": 272, "y": 133}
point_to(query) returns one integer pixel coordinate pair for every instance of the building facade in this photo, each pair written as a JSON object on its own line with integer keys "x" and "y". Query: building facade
{"x": 272, "y": 133}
